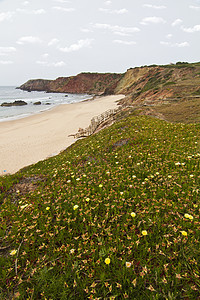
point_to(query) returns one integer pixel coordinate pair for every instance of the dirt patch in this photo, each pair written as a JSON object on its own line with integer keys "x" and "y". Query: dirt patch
{"x": 26, "y": 185}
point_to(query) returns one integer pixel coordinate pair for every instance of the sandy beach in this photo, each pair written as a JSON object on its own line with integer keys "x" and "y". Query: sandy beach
{"x": 26, "y": 141}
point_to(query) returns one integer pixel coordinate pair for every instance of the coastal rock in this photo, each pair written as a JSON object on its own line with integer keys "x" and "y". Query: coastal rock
{"x": 83, "y": 83}
{"x": 37, "y": 103}
{"x": 15, "y": 103}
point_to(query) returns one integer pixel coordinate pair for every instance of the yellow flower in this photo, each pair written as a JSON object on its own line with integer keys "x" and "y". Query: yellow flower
{"x": 188, "y": 216}
{"x": 47, "y": 208}
{"x": 75, "y": 207}
{"x": 144, "y": 232}
{"x": 169, "y": 176}
{"x": 72, "y": 251}
{"x": 23, "y": 206}
{"x": 13, "y": 252}
{"x": 87, "y": 199}
{"x": 128, "y": 264}
{"x": 100, "y": 185}
{"x": 133, "y": 214}
{"x": 184, "y": 233}
{"x": 107, "y": 261}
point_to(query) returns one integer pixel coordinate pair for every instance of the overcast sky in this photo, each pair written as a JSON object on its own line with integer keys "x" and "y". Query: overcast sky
{"x": 52, "y": 38}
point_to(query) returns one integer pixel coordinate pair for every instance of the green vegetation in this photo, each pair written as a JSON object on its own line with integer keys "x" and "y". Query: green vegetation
{"x": 115, "y": 216}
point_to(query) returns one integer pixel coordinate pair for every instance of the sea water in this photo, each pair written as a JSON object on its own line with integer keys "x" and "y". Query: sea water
{"x": 48, "y": 100}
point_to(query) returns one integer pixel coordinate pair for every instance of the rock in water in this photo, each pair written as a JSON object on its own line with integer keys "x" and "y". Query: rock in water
{"x": 15, "y": 103}
{"x": 37, "y": 103}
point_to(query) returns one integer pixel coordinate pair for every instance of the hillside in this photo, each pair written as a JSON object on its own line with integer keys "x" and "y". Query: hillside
{"x": 171, "y": 92}
{"x": 90, "y": 83}
{"x": 115, "y": 216}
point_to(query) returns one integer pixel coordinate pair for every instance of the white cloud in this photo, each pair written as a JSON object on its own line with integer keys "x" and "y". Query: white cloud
{"x": 124, "y": 42}
{"x": 45, "y": 55}
{"x": 177, "y": 22}
{"x": 6, "y": 62}
{"x": 31, "y": 12}
{"x": 85, "y": 30}
{"x": 195, "y": 7}
{"x": 152, "y": 20}
{"x": 75, "y": 47}
{"x": 6, "y": 16}
{"x": 179, "y": 45}
{"x": 169, "y": 36}
{"x": 63, "y": 9}
{"x": 25, "y": 2}
{"x": 115, "y": 11}
{"x": 51, "y": 64}
{"x": 29, "y": 40}
{"x": 108, "y": 2}
{"x": 62, "y": 1}
{"x": 116, "y": 28}
{"x": 154, "y": 6}
{"x": 53, "y": 42}
{"x": 121, "y": 33}
{"x": 195, "y": 28}
{"x": 7, "y": 50}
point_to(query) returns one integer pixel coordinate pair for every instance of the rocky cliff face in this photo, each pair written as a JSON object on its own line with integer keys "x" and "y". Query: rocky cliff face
{"x": 90, "y": 83}
{"x": 147, "y": 85}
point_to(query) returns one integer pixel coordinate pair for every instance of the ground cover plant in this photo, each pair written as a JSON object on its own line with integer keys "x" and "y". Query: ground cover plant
{"x": 115, "y": 216}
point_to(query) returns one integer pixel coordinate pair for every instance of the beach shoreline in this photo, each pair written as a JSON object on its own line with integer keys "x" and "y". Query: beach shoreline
{"x": 34, "y": 138}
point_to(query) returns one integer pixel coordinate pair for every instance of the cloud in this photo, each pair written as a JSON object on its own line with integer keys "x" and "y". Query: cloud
{"x": 169, "y": 36}
{"x": 62, "y": 1}
{"x": 194, "y": 7}
{"x": 25, "y": 2}
{"x": 177, "y": 22}
{"x": 115, "y": 11}
{"x": 29, "y": 40}
{"x": 179, "y": 45}
{"x": 85, "y": 30}
{"x": 124, "y": 42}
{"x": 51, "y": 64}
{"x": 31, "y": 12}
{"x": 7, "y": 50}
{"x": 195, "y": 28}
{"x": 152, "y": 20}
{"x": 154, "y": 6}
{"x": 6, "y": 62}
{"x": 108, "y": 2}
{"x": 6, "y": 16}
{"x": 53, "y": 42}
{"x": 75, "y": 47}
{"x": 63, "y": 9}
{"x": 117, "y": 29}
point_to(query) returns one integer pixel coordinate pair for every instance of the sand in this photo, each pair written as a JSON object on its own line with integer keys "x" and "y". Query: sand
{"x": 26, "y": 141}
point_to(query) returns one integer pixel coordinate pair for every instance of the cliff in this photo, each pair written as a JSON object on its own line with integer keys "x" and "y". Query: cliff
{"x": 143, "y": 86}
{"x": 89, "y": 83}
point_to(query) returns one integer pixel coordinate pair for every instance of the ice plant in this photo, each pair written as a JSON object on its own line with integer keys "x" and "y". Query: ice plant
{"x": 184, "y": 233}
{"x": 188, "y": 216}
{"x": 13, "y": 252}
{"x": 144, "y": 232}
{"x": 107, "y": 261}
{"x": 128, "y": 264}
{"x": 75, "y": 207}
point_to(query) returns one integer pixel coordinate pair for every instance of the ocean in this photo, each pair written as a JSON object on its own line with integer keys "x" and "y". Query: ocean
{"x": 48, "y": 101}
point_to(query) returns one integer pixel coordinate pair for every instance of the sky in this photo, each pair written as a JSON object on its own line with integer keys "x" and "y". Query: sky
{"x": 53, "y": 38}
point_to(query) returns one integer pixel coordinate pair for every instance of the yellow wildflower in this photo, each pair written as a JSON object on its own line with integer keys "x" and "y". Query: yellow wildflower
{"x": 133, "y": 214}
{"x": 184, "y": 233}
{"x": 144, "y": 232}
{"x": 13, "y": 252}
{"x": 128, "y": 264}
{"x": 47, "y": 208}
{"x": 75, "y": 207}
{"x": 107, "y": 261}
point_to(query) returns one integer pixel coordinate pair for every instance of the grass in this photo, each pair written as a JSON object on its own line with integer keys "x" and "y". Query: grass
{"x": 115, "y": 216}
